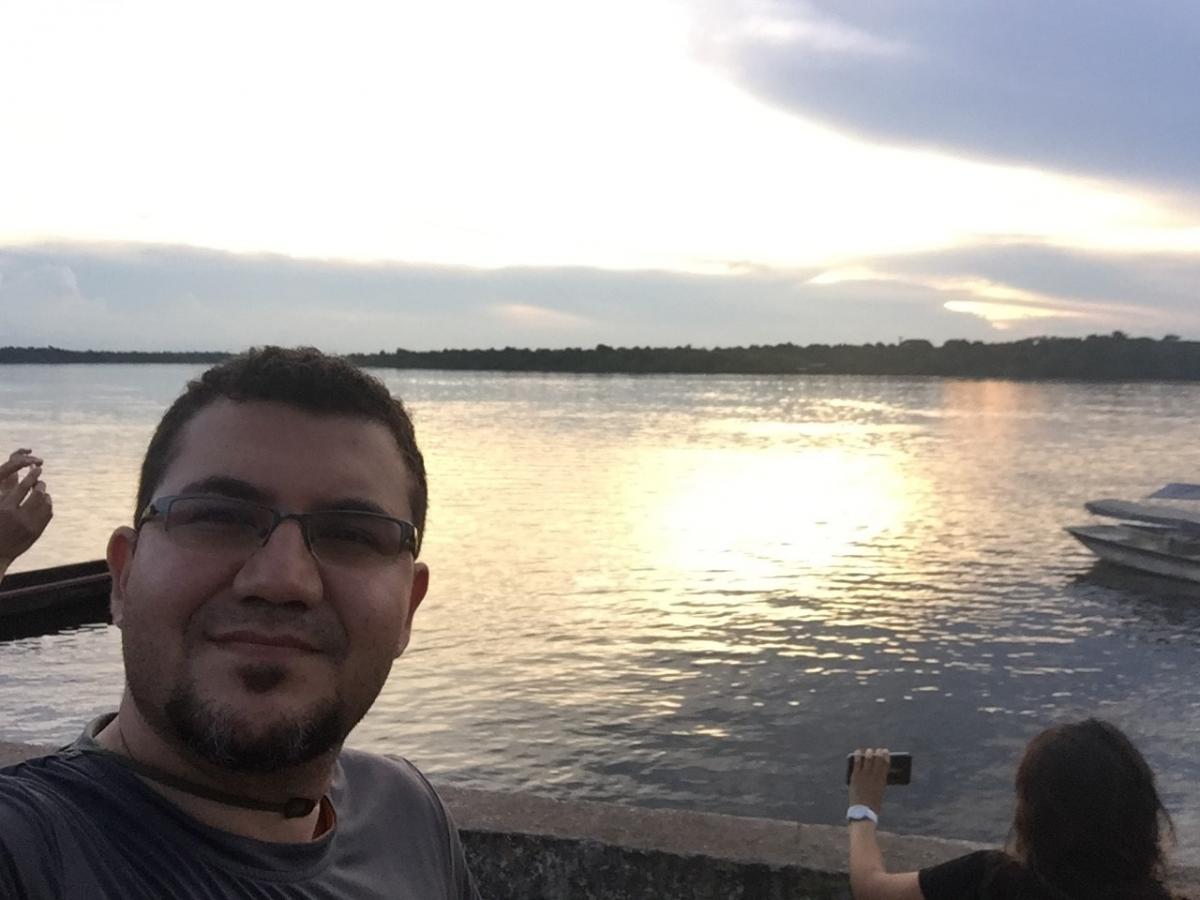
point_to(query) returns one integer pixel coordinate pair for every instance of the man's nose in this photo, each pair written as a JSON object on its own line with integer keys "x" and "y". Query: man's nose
{"x": 283, "y": 569}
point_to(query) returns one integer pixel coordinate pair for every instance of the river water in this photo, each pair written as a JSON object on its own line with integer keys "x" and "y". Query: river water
{"x": 701, "y": 592}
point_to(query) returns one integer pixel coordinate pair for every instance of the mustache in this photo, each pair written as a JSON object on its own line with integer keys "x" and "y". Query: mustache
{"x": 318, "y": 628}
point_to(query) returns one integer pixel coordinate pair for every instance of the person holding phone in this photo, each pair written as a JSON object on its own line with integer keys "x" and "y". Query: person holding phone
{"x": 25, "y": 508}
{"x": 1088, "y": 824}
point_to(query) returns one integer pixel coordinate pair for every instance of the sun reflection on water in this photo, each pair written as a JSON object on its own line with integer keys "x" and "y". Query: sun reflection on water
{"x": 771, "y": 519}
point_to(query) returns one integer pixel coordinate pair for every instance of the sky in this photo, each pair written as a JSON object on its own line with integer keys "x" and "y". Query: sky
{"x": 365, "y": 176}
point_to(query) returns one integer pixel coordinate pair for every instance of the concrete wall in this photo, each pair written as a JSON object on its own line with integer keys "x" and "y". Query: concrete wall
{"x": 524, "y": 847}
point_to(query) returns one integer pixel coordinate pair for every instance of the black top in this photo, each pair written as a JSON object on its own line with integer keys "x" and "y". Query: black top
{"x": 983, "y": 875}
{"x": 77, "y": 826}
{"x": 992, "y": 875}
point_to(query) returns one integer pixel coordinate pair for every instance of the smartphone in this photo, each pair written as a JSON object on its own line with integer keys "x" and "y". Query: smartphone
{"x": 899, "y": 768}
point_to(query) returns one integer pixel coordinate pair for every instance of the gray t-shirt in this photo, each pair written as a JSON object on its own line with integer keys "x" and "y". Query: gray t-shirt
{"x": 77, "y": 826}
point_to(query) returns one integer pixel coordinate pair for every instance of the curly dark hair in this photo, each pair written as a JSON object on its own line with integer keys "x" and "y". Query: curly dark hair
{"x": 303, "y": 377}
{"x": 1089, "y": 819}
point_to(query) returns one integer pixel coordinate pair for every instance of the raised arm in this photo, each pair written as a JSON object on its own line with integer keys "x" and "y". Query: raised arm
{"x": 25, "y": 507}
{"x": 869, "y": 879}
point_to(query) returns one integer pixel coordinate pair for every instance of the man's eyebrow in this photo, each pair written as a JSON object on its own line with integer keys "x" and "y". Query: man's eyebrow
{"x": 353, "y": 503}
{"x": 226, "y": 486}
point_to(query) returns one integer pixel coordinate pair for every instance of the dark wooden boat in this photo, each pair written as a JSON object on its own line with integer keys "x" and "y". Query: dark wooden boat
{"x": 39, "y": 592}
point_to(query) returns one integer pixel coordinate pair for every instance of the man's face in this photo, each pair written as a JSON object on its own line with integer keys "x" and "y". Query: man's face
{"x": 267, "y": 661}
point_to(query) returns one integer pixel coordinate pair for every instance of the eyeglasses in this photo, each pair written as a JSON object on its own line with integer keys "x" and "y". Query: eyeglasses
{"x": 228, "y": 526}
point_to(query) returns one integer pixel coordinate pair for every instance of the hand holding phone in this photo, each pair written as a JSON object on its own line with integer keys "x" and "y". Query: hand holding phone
{"x": 899, "y": 767}
{"x": 868, "y": 776}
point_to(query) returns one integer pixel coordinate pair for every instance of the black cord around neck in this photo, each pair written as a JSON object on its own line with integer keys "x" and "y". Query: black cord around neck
{"x": 292, "y": 808}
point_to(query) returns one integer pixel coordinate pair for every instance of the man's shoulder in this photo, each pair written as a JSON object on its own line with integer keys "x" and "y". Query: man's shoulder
{"x": 371, "y": 789}
{"x": 29, "y": 781}
{"x": 385, "y": 806}
{"x": 33, "y": 805}
{"x": 374, "y": 774}
{"x": 43, "y": 791}
{"x": 366, "y": 761}
{"x": 11, "y": 755}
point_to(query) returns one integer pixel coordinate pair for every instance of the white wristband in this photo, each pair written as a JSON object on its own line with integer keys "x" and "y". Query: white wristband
{"x": 860, "y": 813}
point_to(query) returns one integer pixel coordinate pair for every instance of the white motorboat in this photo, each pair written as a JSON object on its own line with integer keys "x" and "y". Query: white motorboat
{"x": 1160, "y": 538}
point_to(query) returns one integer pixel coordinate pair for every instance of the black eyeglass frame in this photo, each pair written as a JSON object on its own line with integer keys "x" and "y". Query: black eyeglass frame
{"x": 160, "y": 508}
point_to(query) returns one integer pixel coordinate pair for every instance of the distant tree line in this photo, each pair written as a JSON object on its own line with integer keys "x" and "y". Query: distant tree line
{"x": 42, "y": 355}
{"x": 1112, "y": 357}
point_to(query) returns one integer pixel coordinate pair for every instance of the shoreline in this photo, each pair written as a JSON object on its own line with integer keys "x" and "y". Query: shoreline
{"x": 1115, "y": 357}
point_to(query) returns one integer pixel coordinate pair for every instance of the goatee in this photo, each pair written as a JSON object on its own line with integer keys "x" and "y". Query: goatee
{"x": 219, "y": 736}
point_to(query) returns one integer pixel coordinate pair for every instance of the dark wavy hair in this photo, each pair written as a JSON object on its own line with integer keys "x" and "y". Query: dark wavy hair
{"x": 303, "y": 377}
{"x": 1089, "y": 820}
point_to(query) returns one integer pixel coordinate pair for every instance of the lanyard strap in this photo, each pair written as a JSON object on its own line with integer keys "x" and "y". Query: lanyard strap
{"x": 292, "y": 808}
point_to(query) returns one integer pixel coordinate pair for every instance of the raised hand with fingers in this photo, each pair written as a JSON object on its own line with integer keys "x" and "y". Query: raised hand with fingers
{"x": 869, "y": 778}
{"x": 25, "y": 505}
{"x": 17, "y": 460}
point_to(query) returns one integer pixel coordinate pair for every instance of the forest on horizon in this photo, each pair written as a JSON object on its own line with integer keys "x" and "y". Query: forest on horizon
{"x": 1111, "y": 357}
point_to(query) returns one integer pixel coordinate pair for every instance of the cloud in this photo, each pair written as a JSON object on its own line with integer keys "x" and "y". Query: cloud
{"x": 1004, "y": 316}
{"x": 133, "y": 297}
{"x": 1001, "y": 305}
{"x": 1046, "y": 290}
{"x": 1153, "y": 287}
{"x": 799, "y": 27}
{"x": 550, "y": 320}
{"x": 41, "y": 296}
{"x": 608, "y": 146}
{"x": 1105, "y": 89}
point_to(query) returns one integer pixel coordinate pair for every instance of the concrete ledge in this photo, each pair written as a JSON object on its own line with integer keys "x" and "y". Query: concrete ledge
{"x": 525, "y": 847}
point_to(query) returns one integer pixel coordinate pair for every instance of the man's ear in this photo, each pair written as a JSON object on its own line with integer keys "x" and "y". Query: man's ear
{"x": 420, "y": 584}
{"x": 120, "y": 563}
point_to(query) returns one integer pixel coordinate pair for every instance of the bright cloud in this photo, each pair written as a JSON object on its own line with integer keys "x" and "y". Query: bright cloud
{"x": 524, "y": 314}
{"x": 635, "y": 136}
{"x": 1107, "y": 92}
{"x": 995, "y": 302}
{"x": 1002, "y": 315}
{"x": 481, "y": 134}
{"x": 798, "y": 27}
